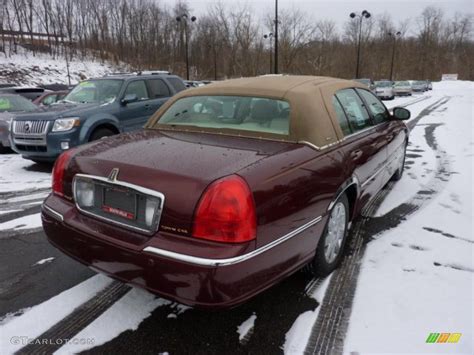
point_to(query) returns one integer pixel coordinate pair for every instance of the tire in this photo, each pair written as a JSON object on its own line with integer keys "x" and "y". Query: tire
{"x": 325, "y": 261}
{"x": 100, "y": 133}
{"x": 401, "y": 166}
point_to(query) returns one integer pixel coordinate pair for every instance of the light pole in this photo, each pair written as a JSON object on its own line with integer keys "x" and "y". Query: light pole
{"x": 395, "y": 36}
{"x": 269, "y": 36}
{"x": 184, "y": 18}
{"x": 364, "y": 14}
{"x": 276, "y": 36}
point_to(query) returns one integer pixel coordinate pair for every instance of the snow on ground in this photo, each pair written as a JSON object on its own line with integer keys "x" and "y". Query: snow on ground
{"x": 246, "y": 327}
{"x": 418, "y": 278}
{"x": 36, "y": 320}
{"x": 298, "y": 335}
{"x": 25, "y": 69}
{"x": 25, "y": 222}
{"x": 44, "y": 261}
{"x": 18, "y": 174}
{"x": 125, "y": 314}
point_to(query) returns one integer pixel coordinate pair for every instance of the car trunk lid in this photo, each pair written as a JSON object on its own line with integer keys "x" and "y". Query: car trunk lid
{"x": 178, "y": 165}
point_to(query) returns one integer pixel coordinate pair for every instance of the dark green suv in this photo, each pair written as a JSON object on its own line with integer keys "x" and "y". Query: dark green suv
{"x": 94, "y": 109}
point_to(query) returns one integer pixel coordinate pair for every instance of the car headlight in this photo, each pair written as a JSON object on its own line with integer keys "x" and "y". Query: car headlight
{"x": 65, "y": 124}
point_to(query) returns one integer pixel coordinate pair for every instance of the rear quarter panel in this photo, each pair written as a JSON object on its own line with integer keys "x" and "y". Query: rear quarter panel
{"x": 292, "y": 188}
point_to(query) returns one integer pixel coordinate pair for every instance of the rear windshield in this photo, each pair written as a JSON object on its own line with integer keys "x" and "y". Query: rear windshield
{"x": 402, "y": 83}
{"x": 240, "y": 113}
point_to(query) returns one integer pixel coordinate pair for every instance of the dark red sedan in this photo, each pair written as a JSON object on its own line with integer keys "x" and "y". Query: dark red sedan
{"x": 230, "y": 188}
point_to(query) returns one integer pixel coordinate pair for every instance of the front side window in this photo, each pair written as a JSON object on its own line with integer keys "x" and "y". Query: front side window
{"x": 137, "y": 87}
{"x": 95, "y": 91}
{"x": 376, "y": 108}
{"x": 357, "y": 115}
{"x": 240, "y": 113}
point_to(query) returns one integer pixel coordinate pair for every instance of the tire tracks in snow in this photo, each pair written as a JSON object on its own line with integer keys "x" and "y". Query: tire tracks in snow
{"x": 328, "y": 333}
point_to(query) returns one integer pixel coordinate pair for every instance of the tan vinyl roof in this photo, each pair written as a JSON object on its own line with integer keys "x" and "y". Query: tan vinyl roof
{"x": 312, "y": 117}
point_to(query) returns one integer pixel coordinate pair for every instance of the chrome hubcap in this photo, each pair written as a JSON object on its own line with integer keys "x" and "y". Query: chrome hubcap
{"x": 335, "y": 232}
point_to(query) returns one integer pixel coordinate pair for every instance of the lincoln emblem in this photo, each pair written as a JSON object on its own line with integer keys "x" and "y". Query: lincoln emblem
{"x": 113, "y": 174}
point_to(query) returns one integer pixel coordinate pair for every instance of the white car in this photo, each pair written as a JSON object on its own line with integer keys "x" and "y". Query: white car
{"x": 384, "y": 90}
{"x": 402, "y": 88}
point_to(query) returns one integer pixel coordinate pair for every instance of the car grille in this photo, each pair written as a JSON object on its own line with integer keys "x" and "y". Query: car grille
{"x": 30, "y": 127}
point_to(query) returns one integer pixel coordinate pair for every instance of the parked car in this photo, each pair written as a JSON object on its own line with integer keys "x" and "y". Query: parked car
{"x": 402, "y": 88}
{"x": 384, "y": 90}
{"x": 50, "y": 98}
{"x": 367, "y": 82}
{"x": 94, "y": 109}
{"x": 30, "y": 93}
{"x": 193, "y": 83}
{"x": 419, "y": 86}
{"x": 230, "y": 188}
{"x": 9, "y": 106}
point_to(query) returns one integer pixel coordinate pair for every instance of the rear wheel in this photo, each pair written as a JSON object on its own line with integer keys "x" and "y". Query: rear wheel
{"x": 331, "y": 245}
{"x": 101, "y": 133}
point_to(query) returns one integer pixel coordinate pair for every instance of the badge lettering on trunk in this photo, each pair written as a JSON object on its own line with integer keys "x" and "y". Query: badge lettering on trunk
{"x": 113, "y": 174}
{"x": 118, "y": 212}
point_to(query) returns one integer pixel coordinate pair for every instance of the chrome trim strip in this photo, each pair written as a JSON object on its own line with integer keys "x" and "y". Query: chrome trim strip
{"x": 319, "y": 148}
{"x": 53, "y": 213}
{"x": 230, "y": 261}
{"x": 140, "y": 189}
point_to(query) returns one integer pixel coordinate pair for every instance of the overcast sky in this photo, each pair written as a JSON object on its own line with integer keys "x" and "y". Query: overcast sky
{"x": 338, "y": 10}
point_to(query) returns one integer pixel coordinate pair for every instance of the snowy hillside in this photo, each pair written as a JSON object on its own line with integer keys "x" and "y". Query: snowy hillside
{"x": 25, "y": 69}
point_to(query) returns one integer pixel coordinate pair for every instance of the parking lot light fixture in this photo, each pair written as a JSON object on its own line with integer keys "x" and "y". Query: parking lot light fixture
{"x": 184, "y": 18}
{"x": 270, "y": 36}
{"x": 364, "y": 14}
{"x": 394, "y": 36}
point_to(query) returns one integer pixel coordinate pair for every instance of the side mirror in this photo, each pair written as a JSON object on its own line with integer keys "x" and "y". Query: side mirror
{"x": 401, "y": 113}
{"x": 129, "y": 98}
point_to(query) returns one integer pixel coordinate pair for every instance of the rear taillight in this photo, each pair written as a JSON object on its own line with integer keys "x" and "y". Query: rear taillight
{"x": 226, "y": 212}
{"x": 58, "y": 172}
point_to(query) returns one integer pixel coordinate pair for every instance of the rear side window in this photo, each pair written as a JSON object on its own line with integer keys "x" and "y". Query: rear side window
{"x": 357, "y": 115}
{"x": 376, "y": 108}
{"x": 138, "y": 88}
{"x": 177, "y": 84}
{"x": 158, "y": 88}
{"x": 341, "y": 117}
